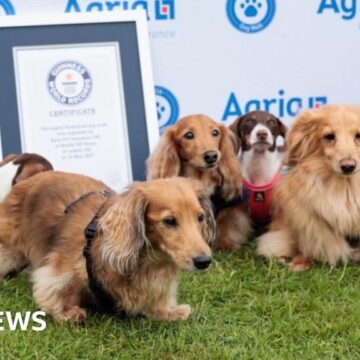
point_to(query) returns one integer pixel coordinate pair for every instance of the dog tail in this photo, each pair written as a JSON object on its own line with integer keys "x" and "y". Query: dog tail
{"x": 278, "y": 244}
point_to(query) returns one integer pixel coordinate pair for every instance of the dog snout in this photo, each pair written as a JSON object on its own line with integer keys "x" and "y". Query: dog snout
{"x": 262, "y": 135}
{"x": 210, "y": 157}
{"x": 202, "y": 262}
{"x": 348, "y": 166}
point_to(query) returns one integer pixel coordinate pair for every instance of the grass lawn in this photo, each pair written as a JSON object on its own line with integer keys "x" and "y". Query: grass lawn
{"x": 243, "y": 307}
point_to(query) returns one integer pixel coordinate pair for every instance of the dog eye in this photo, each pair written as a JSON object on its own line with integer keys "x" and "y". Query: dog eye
{"x": 271, "y": 122}
{"x": 215, "y": 132}
{"x": 329, "y": 137}
{"x": 357, "y": 136}
{"x": 249, "y": 122}
{"x": 201, "y": 217}
{"x": 170, "y": 221}
{"x": 189, "y": 135}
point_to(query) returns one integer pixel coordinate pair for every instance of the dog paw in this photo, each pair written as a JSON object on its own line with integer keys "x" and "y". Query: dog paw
{"x": 225, "y": 244}
{"x": 75, "y": 314}
{"x": 181, "y": 312}
{"x": 299, "y": 263}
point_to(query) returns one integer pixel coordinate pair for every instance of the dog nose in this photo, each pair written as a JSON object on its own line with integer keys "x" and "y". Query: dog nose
{"x": 202, "y": 262}
{"x": 348, "y": 166}
{"x": 211, "y": 157}
{"x": 262, "y": 135}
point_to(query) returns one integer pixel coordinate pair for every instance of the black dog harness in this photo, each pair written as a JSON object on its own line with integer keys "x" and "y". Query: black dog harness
{"x": 103, "y": 298}
{"x": 219, "y": 203}
{"x": 353, "y": 241}
{"x": 85, "y": 196}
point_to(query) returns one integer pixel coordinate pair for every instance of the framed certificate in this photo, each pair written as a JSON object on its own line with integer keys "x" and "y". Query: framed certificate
{"x": 79, "y": 92}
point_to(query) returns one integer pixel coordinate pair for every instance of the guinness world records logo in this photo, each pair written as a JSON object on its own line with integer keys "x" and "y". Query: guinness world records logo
{"x": 69, "y": 82}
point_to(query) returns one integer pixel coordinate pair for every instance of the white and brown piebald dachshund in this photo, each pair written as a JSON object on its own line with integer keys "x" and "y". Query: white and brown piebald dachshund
{"x": 15, "y": 168}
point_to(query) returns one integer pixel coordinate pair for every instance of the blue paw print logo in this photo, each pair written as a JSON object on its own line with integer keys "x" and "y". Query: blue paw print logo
{"x": 167, "y": 107}
{"x": 251, "y": 8}
{"x": 250, "y": 16}
{"x": 6, "y": 8}
{"x": 160, "y": 110}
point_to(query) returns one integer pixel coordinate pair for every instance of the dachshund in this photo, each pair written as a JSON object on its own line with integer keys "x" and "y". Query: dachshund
{"x": 120, "y": 252}
{"x": 15, "y": 168}
{"x": 260, "y": 159}
{"x": 197, "y": 147}
{"x": 317, "y": 198}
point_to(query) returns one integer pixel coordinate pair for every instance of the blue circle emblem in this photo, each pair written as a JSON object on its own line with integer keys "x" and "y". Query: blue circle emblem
{"x": 69, "y": 82}
{"x": 167, "y": 107}
{"x": 8, "y": 7}
{"x": 250, "y": 16}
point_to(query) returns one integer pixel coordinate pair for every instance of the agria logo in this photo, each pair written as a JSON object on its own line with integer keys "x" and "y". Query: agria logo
{"x": 167, "y": 107}
{"x": 345, "y": 8}
{"x": 250, "y": 16}
{"x": 6, "y": 8}
{"x": 281, "y": 105}
{"x": 156, "y": 10}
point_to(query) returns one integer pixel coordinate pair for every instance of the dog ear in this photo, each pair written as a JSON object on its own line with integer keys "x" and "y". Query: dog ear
{"x": 8, "y": 158}
{"x": 209, "y": 225}
{"x": 229, "y": 165}
{"x": 281, "y": 131}
{"x": 164, "y": 161}
{"x": 235, "y": 128}
{"x": 123, "y": 231}
{"x": 282, "y": 128}
{"x": 30, "y": 165}
{"x": 209, "y": 228}
{"x": 301, "y": 140}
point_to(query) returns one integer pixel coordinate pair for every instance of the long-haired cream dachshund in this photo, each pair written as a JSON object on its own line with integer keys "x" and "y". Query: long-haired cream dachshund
{"x": 317, "y": 215}
{"x": 86, "y": 244}
{"x": 197, "y": 147}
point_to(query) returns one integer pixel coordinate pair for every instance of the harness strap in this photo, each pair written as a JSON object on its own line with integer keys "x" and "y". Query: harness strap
{"x": 353, "y": 241}
{"x": 85, "y": 196}
{"x": 103, "y": 298}
{"x": 219, "y": 203}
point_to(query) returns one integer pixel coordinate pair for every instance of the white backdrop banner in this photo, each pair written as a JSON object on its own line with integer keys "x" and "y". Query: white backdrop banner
{"x": 226, "y": 57}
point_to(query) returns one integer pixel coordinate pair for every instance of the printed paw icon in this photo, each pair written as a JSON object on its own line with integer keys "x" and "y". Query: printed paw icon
{"x": 250, "y": 7}
{"x": 160, "y": 109}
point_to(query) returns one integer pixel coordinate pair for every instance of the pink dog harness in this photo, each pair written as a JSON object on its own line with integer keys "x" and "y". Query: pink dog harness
{"x": 259, "y": 197}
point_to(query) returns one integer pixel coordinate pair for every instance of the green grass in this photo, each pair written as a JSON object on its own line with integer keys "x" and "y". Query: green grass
{"x": 243, "y": 307}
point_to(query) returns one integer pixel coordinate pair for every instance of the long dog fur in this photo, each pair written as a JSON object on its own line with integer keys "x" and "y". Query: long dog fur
{"x": 136, "y": 256}
{"x": 317, "y": 205}
{"x": 177, "y": 156}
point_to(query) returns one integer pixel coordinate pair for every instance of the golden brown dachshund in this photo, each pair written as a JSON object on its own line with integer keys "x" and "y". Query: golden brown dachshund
{"x": 197, "y": 147}
{"x": 317, "y": 202}
{"x": 136, "y": 242}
